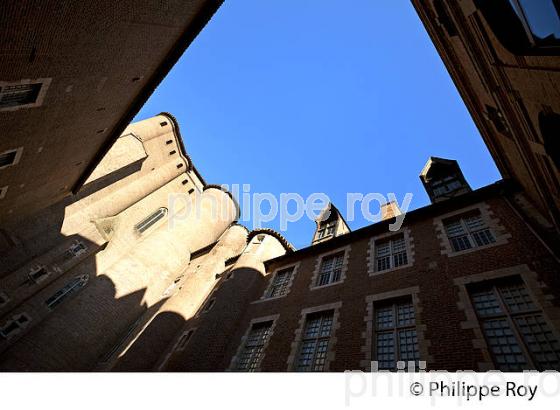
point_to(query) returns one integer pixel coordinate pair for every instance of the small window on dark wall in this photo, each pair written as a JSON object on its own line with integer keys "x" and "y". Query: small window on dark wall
{"x": 9, "y": 158}
{"x": 524, "y": 26}
{"x": 549, "y": 124}
{"x": 22, "y": 94}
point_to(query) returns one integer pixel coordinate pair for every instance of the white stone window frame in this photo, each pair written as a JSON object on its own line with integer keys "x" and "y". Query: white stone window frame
{"x": 255, "y": 321}
{"x": 536, "y": 290}
{"x": 346, "y": 249}
{"x": 369, "y": 319}
{"x": 409, "y": 243}
{"x": 45, "y": 83}
{"x": 264, "y": 297}
{"x": 499, "y": 232}
{"x": 298, "y": 334}
{"x": 18, "y": 154}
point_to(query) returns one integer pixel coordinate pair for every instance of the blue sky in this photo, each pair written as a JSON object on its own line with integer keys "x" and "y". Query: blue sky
{"x": 312, "y": 96}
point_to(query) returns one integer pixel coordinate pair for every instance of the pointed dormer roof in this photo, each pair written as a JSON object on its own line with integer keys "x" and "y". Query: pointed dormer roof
{"x": 442, "y": 179}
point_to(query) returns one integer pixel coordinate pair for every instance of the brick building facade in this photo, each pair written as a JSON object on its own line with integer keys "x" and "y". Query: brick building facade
{"x": 434, "y": 280}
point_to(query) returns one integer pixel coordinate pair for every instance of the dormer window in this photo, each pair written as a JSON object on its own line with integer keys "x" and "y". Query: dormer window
{"x": 326, "y": 229}
{"x": 446, "y": 185}
{"x": 330, "y": 224}
{"x": 443, "y": 179}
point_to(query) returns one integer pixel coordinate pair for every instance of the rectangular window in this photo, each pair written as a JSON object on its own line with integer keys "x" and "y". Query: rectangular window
{"x": 390, "y": 253}
{"x": 279, "y": 285}
{"x": 395, "y": 334}
{"x": 19, "y": 94}
{"x": 326, "y": 229}
{"x": 151, "y": 220}
{"x": 39, "y": 274}
{"x": 8, "y": 158}
{"x": 76, "y": 249}
{"x": 315, "y": 342}
{"x": 253, "y": 350}
{"x": 541, "y": 19}
{"x": 515, "y": 330}
{"x": 14, "y": 326}
{"x": 331, "y": 269}
{"x": 468, "y": 231}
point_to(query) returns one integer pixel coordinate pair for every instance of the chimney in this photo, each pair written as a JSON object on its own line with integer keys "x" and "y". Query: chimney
{"x": 389, "y": 210}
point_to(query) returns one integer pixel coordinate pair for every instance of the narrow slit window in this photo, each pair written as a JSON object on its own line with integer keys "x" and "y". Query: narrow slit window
{"x": 151, "y": 220}
{"x": 209, "y": 305}
{"x": 69, "y": 289}
{"x": 185, "y": 337}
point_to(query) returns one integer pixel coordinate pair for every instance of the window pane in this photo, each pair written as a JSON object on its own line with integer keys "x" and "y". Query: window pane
{"x": 384, "y": 317}
{"x": 540, "y": 341}
{"x": 454, "y": 228}
{"x": 326, "y": 325}
{"x": 460, "y": 243}
{"x": 383, "y": 249}
{"x": 485, "y": 302}
{"x": 312, "y": 327}
{"x": 474, "y": 222}
{"x": 385, "y": 351}
{"x": 306, "y": 355}
{"x": 408, "y": 345}
{"x": 405, "y": 314}
{"x": 320, "y": 355}
{"x": 504, "y": 345}
{"x": 483, "y": 237}
{"x": 516, "y": 297}
{"x": 542, "y": 18}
